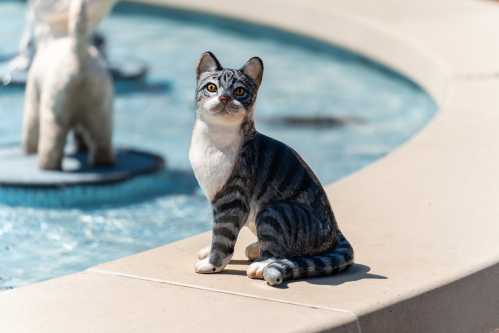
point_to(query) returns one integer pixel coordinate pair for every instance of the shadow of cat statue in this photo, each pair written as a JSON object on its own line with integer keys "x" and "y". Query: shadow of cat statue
{"x": 69, "y": 88}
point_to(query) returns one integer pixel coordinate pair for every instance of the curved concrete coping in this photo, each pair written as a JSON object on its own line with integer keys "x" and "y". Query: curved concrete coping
{"x": 423, "y": 220}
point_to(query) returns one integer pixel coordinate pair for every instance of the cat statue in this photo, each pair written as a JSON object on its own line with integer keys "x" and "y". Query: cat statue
{"x": 69, "y": 88}
{"x": 255, "y": 181}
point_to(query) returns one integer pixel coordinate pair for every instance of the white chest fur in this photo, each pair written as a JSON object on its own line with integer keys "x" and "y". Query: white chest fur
{"x": 213, "y": 153}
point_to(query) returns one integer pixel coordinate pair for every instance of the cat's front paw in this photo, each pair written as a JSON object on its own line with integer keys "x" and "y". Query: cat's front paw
{"x": 204, "y": 266}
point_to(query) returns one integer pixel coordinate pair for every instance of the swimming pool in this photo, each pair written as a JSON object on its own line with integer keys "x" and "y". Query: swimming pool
{"x": 381, "y": 110}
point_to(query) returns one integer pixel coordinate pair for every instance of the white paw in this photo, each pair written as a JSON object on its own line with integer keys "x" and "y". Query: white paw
{"x": 204, "y": 252}
{"x": 204, "y": 266}
{"x": 255, "y": 269}
{"x": 253, "y": 251}
{"x": 273, "y": 276}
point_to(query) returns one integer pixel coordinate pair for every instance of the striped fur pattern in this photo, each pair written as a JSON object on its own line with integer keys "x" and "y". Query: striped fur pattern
{"x": 253, "y": 180}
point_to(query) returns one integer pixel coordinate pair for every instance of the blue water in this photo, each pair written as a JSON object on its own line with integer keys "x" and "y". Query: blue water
{"x": 303, "y": 77}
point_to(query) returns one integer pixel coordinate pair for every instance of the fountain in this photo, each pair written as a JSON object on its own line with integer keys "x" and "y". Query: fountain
{"x": 70, "y": 90}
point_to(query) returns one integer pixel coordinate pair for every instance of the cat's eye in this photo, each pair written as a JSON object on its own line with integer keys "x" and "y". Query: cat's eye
{"x": 239, "y": 92}
{"x": 211, "y": 87}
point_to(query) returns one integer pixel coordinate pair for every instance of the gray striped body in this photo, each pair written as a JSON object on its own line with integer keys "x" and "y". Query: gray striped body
{"x": 294, "y": 221}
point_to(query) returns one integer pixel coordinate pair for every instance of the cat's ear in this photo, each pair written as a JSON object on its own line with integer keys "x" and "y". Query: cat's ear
{"x": 207, "y": 63}
{"x": 254, "y": 69}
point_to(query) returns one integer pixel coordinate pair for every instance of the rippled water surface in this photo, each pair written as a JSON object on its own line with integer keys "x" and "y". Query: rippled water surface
{"x": 302, "y": 77}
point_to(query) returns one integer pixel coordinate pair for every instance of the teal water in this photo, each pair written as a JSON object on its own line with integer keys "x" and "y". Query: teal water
{"x": 303, "y": 77}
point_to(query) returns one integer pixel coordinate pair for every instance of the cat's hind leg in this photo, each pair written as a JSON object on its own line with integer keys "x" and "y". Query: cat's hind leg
{"x": 335, "y": 260}
{"x": 298, "y": 244}
{"x": 52, "y": 141}
{"x": 98, "y": 127}
{"x": 273, "y": 229}
{"x": 31, "y": 118}
{"x": 253, "y": 251}
{"x": 255, "y": 269}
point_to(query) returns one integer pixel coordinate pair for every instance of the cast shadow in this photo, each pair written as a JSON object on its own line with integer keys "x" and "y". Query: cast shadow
{"x": 240, "y": 262}
{"x": 314, "y": 121}
{"x": 124, "y": 88}
{"x": 355, "y": 273}
{"x": 234, "y": 271}
{"x": 121, "y": 88}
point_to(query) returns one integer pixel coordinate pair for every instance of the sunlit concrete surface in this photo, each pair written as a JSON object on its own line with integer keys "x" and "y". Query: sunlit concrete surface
{"x": 423, "y": 220}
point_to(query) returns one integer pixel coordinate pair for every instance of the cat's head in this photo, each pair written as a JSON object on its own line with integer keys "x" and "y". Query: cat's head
{"x": 227, "y": 96}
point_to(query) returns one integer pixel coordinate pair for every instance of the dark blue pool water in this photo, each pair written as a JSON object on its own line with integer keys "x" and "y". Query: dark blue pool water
{"x": 380, "y": 110}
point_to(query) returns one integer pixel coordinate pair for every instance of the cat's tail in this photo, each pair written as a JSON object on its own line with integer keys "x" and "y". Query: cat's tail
{"x": 78, "y": 26}
{"x": 331, "y": 262}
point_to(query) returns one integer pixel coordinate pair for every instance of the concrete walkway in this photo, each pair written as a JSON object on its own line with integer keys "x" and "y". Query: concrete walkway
{"x": 424, "y": 220}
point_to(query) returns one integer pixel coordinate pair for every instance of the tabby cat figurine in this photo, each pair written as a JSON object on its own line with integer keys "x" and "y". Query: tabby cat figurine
{"x": 253, "y": 180}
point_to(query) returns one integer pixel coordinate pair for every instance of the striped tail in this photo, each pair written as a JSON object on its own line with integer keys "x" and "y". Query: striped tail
{"x": 331, "y": 262}
{"x": 78, "y": 26}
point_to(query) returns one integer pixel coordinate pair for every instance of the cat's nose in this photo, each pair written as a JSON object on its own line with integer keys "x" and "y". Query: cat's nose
{"x": 225, "y": 99}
